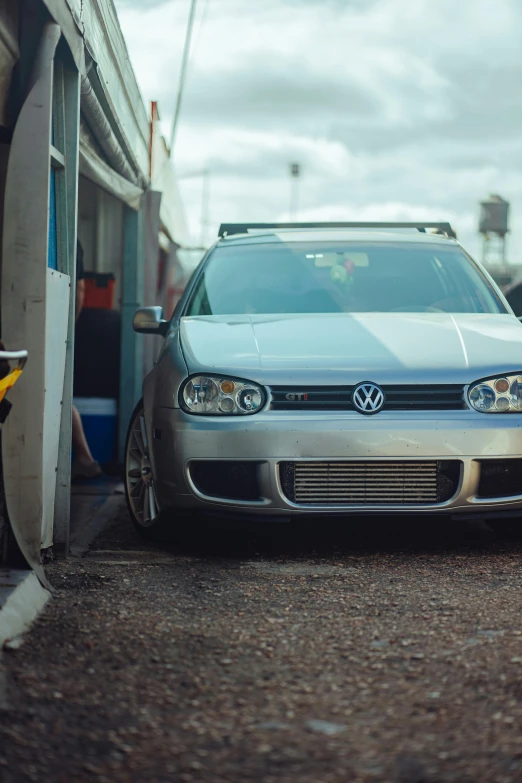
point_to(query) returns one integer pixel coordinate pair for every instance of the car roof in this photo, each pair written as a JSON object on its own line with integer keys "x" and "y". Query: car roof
{"x": 263, "y": 236}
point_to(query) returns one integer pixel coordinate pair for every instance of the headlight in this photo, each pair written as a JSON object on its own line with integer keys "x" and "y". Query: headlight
{"x": 497, "y": 395}
{"x": 212, "y": 395}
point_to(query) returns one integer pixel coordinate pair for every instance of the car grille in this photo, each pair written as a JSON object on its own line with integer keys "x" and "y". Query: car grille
{"x": 500, "y": 478}
{"x": 370, "y": 483}
{"x": 440, "y": 397}
{"x": 234, "y": 479}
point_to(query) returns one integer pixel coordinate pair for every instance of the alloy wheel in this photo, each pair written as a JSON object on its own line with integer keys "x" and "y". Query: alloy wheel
{"x": 138, "y": 474}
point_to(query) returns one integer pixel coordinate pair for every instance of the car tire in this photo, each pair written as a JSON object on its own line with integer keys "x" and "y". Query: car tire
{"x": 139, "y": 482}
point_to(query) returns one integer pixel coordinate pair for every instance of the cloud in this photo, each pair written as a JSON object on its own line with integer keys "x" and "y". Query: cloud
{"x": 140, "y": 4}
{"x": 390, "y": 106}
{"x": 268, "y": 95}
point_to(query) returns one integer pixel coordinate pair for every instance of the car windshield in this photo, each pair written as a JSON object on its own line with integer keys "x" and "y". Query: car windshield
{"x": 328, "y": 277}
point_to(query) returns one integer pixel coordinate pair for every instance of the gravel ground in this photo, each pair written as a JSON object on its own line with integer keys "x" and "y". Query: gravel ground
{"x": 378, "y": 653}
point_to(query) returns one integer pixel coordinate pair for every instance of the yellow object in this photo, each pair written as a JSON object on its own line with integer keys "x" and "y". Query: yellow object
{"x": 227, "y": 387}
{"x": 9, "y": 381}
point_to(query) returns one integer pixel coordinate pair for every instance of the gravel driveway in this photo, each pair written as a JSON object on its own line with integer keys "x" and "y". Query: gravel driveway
{"x": 380, "y": 653}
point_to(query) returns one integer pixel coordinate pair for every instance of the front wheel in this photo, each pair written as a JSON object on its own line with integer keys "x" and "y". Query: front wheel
{"x": 139, "y": 482}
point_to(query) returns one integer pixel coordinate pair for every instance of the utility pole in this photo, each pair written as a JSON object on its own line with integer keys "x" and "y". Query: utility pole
{"x": 182, "y": 75}
{"x": 295, "y": 173}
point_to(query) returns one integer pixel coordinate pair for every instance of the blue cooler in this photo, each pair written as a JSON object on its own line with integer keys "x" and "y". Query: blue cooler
{"x": 99, "y": 419}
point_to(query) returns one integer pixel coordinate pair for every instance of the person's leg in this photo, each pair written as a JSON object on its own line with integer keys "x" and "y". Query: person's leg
{"x": 84, "y": 465}
{"x": 80, "y": 445}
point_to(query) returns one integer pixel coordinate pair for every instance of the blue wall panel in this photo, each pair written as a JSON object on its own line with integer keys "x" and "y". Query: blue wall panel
{"x": 52, "y": 251}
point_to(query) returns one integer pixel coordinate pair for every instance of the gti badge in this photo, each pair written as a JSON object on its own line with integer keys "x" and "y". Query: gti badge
{"x": 368, "y": 398}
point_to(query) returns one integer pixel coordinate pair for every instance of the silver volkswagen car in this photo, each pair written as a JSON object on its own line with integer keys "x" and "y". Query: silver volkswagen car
{"x": 331, "y": 369}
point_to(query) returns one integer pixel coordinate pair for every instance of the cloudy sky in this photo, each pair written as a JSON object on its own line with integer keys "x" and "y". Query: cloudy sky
{"x": 395, "y": 109}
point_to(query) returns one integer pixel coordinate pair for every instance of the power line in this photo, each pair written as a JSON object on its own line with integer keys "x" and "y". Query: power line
{"x": 182, "y": 75}
{"x": 202, "y": 20}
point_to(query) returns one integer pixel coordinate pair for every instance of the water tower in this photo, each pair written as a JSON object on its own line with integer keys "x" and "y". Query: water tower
{"x": 493, "y": 226}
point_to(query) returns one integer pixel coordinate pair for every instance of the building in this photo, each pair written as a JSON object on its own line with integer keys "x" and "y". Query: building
{"x": 78, "y": 160}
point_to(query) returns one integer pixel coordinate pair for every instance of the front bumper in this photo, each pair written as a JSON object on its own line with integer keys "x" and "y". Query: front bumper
{"x": 273, "y": 437}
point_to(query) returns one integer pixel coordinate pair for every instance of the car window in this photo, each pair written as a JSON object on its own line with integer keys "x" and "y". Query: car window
{"x": 332, "y": 278}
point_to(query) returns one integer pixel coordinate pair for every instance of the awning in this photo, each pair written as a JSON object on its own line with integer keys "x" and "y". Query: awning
{"x": 105, "y": 44}
{"x": 94, "y": 168}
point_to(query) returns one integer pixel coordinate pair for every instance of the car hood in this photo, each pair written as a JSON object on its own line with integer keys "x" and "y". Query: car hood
{"x": 349, "y": 348}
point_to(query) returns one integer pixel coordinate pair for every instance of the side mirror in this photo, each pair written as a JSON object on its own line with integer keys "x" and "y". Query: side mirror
{"x": 149, "y": 320}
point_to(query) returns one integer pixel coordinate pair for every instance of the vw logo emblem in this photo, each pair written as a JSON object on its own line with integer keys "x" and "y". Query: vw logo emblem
{"x": 368, "y": 398}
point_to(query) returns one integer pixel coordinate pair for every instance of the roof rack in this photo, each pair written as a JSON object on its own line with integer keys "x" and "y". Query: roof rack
{"x": 228, "y": 229}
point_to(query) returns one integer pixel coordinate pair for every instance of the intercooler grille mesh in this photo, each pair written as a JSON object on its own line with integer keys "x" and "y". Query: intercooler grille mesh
{"x": 369, "y": 483}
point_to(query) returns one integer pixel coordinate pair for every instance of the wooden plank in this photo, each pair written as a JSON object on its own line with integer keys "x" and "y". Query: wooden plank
{"x": 29, "y": 479}
{"x": 71, "y": 86}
